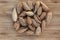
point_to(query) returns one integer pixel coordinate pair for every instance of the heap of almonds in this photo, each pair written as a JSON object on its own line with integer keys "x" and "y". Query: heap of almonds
{"x": 31, "y": 17}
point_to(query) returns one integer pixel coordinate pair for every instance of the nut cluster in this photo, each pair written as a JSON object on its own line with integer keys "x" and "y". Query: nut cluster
{"x": 31, "y": 17}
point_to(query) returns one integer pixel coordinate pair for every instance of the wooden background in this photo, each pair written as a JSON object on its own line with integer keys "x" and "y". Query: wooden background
{"x": 7, "y": 32}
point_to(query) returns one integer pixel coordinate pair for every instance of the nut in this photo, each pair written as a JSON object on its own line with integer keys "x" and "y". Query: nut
{"x": 29, "y": 13}
{"x": 14, "y": 15}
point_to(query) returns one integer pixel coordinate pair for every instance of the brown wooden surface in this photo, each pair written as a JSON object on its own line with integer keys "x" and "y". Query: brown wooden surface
{"x": 7, "y": 32}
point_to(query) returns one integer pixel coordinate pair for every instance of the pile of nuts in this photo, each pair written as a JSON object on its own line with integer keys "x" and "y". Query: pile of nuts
{"x": 31, "y": 17}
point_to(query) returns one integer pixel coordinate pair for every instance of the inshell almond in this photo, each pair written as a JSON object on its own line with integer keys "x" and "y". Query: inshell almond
{"x": 38, "y": 30}
{"x": 29, "y": 20}
{"x": 19, "y": 7}
{"x": 25, "y": 6}
{"x": 17, "y": 25}
{"x": 29, "y": 13}
{"x": 22, "y": 30}
{"x": 36, "y": 19}
{"x": 22, "y": 21}
{"x": 43, "y": 25}
{"x": 39, "y": 11}
{"x": 31, "y": 27}
{"x": 43, "y": 15}
{"x": 34, "y": 2}
{"x": 35, "y": 23}
{"x": 45, "y": 8}
{"x": 29, "y": 32}
{"x": 30, "y": 4}
{"x": 49, "y": 17}
{"x": 14, "y": 15}
{"x": 22, "y": 14}
{"x": 37, "y": 5}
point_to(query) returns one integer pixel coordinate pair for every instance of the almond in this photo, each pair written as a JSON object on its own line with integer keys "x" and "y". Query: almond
{"x": 19, "y": 7}
{"x": 30, "y": 4}
{"x": 49, "y": 17}
{"x": 43, "y": 25}
{"x": 22, "y": 30}
{"x": 29, "y": 13}
{"x": 14, "y": 15}
{"x": 31, "y": 27}
{"x": 43, "y": 15}
{"x": 17, "y": 25}
{"x": 22, "y": 14}
{"x": 29, "y": 32}
{"x": 25, "y": 6}
{"x": 37, "y": 5}
{"x": 45, "y": 8}
{"x": 29, "y": 20}
{"x": 22, "y": 21}
{"x": 34, "y": 2}
{"x": 39, "y": 11}
{"x": 36, "y": 19}
{"x": 35, "y": 23}
{"x": 38, "y": 31}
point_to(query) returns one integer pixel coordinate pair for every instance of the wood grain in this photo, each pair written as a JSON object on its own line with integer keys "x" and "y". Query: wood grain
{"x": 7, "y": 31}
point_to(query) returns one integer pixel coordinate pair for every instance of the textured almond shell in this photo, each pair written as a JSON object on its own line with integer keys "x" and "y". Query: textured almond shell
{"x": 36, "y": 19}
{"x": 35, "y": 23}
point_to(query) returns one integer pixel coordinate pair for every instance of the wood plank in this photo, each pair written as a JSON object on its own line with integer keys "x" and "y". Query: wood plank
{"x": 45, "y": 1}
{"x": 55, "y": 20}
{"x": 51, "y": 1}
